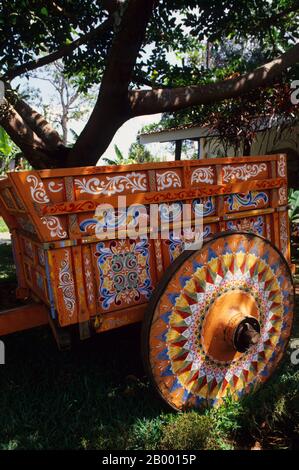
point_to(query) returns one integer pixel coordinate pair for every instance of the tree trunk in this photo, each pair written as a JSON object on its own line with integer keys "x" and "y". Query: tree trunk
{"x": 113, "y": 107}
{"x": 178, "y": 149}
{"x": 246, "y": 148}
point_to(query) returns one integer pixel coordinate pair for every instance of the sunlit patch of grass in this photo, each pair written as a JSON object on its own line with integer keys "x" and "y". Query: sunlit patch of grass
{"x": 190, "y": 431}
{"x": 3, "y": 226}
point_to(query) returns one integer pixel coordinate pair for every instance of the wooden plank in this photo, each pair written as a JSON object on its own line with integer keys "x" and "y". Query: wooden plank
{"x": 90, "y": 205}
{"x": 117, "y": 319}
{"x": 91, "y": 170}
{"x": 73, "y": 272}
{"x": 23, "y": 318}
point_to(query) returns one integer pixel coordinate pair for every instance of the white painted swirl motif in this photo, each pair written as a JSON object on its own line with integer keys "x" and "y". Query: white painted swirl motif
{"x": 115, "y": 184}
{"x": 37, "y": 190}
{"x": 281, "y": 166}
{"x": 88, "y": 277}
{"x": 284, "y": 232}
{"x": 168, "y": 179}
{"x": 243, "y": 172}
{"x": 203, "y": 175}
{"x": 66, "y": 283}
{"x": 55, "y": 187}
{"x": 54, "y": 226}
{"x": 282, "y": 195}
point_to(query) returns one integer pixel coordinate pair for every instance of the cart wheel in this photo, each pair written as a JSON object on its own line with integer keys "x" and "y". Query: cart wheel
{"x": 219, "y": 321}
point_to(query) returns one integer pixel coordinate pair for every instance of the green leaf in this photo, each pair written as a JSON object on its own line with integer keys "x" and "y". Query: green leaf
{"x": 5, "y": 143}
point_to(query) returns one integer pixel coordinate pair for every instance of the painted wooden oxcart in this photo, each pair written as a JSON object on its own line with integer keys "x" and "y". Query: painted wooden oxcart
{"x": 216, "y": 320}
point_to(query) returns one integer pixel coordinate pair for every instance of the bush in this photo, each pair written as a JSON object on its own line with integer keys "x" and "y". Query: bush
{"x": 189, "y": 431}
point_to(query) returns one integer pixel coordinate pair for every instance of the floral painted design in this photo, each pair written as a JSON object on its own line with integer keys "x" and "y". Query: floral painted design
{"x": 208, "y": 206}
{"x": 124, "y": 272}
{"x": 255, "y": 225}
{"x": 247, "y": 201}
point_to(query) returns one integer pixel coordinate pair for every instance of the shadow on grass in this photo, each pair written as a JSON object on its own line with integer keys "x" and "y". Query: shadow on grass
{"x": 96, "y": 396}
{"x": 90, "y": 397}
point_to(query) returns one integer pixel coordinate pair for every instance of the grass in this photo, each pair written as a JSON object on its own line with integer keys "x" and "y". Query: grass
{"x": 7, "y": 266}
{"x": 3, "y": 226}
{"x": 97, "y": 397}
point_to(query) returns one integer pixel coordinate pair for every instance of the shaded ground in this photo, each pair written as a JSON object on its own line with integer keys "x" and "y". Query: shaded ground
{"x": 7, "y": 278}
{"x": 97, "y": 396}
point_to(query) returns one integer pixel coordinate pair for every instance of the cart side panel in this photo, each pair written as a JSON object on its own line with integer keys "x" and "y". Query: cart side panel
{"x": 109, "y": 280}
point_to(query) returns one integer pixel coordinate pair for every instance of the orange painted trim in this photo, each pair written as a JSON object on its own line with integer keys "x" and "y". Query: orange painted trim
{"x": 80, "y": 284}
{"x": 91, "y": 170}
{"x": 34, "y": 210}
{"x": 163, "y": 196}
{"x": 119, "y": 318}
{"x": 251, "y": 213}
{"x": 18, "y": 255}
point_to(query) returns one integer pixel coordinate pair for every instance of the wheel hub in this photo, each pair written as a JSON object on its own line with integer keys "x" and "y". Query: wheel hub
{"x": 231, "y": 326}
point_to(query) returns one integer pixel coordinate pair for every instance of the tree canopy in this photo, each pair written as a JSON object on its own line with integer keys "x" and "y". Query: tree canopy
{"x": 126, "y": 48}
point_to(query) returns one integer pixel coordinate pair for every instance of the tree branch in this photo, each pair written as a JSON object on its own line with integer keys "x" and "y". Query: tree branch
{"x": 62, "y": 52}
{"x": 111, "y": 5}
{"x": 141, "y": 81}
{"x": 29, "y": 142}
{"x": 170, "y": 100}
{"x": 38, "y": 124}
{"x": 273, "y": 19}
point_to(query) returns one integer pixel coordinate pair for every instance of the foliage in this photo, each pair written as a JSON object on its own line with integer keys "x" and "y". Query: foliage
{"x": 179, "y": 43}
{"x": 119, "y": 158}
{"x": 10, "y": 156}
{"x": 40, "y": 29}
{"x": 234, "y": 122}
{"x": 137, "y": 154}
{"x": 3, "y": 226}
{"x": 294, "y": 219}
{"x": 294, "y": 206}
{"x": 189, "y": 431}
{"x": 237, "y": 122}
{"x": 8, "y": 152}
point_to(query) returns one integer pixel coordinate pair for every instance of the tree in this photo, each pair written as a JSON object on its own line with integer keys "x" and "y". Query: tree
{"x": 10, "y": 155}
{"x": 123, "y": 45}
{"x": 139, "y": 154}
{"x": 236, "y": 121}
{"x": 67, "y": 103}
{"x": 119, "y": 159}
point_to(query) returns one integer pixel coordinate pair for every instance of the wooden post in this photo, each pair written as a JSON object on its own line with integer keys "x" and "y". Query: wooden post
{"x": 198, "y": 149}
{"x": 178, "y": 149}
